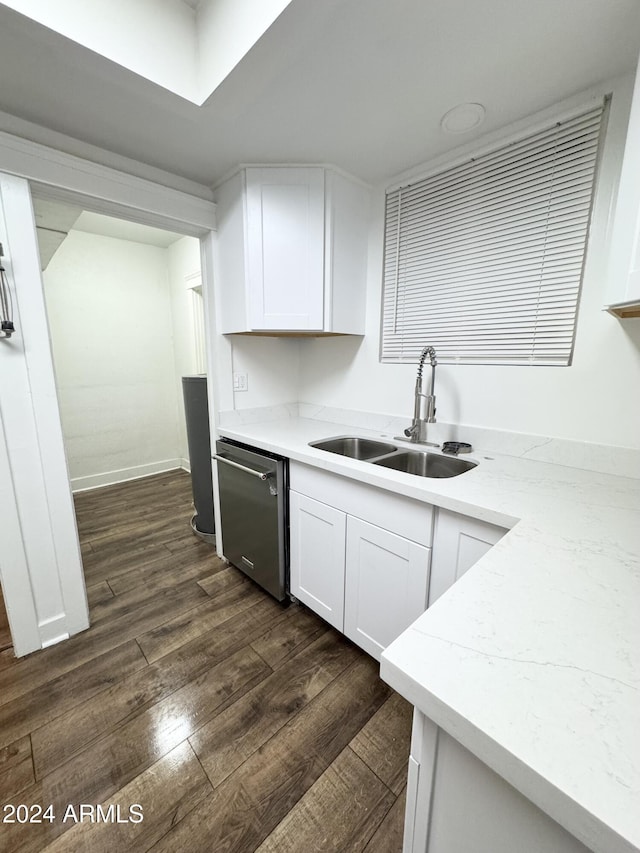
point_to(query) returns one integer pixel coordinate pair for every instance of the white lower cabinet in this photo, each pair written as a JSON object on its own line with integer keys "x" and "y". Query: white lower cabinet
{"x": 361, "y": 556}
{"x": 458, "y": 543}
{"x": 317, "y": 536}
{"x": 368, "y": 581}
{"x": 386, "y": 582}
{"x": 457, "y": 804}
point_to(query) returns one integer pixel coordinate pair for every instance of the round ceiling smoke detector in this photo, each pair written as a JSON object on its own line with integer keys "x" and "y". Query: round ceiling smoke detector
{"x": 463, "y": 118}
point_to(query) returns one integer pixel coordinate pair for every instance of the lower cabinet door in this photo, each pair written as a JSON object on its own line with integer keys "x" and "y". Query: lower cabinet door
{"x": 317, "y": 535}
{"x": 386, "y": 583}
{"x": 458, "y": 543}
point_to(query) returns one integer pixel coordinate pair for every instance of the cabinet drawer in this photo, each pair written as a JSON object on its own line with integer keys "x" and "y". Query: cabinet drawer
{"x": 406, "y": 517}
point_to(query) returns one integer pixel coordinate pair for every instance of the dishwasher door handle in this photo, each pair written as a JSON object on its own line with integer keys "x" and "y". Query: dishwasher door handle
{"x": 244, "y": 468}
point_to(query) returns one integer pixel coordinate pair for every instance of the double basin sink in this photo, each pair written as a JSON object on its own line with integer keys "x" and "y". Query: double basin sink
{"x": 387, "y": 455}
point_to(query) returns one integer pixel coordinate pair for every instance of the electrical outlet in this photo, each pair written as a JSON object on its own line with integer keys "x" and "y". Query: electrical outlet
{"x": 240, "y": 382}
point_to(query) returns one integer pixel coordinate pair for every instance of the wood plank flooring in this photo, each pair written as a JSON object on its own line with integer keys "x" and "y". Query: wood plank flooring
{"x": 237, "y": 723}
{"x": 5, "y": 634}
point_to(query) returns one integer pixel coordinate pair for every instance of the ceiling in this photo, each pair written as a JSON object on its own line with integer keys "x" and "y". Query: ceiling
{"x": 358, "y": 83}
{"x": 54, "y": 220}
{"x": 120, "y": 229}
{"x": 53, "y": 223}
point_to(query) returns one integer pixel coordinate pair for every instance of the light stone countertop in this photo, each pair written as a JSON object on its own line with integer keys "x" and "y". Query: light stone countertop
{"x": 530, "y": 660}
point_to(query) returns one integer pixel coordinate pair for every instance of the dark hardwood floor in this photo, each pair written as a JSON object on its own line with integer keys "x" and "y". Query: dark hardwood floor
{"x": 5, "y": 633}
{"x": 238, "y": 724}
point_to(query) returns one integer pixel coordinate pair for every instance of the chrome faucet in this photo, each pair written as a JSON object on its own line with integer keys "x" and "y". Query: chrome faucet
{"x": 424, "y": 411}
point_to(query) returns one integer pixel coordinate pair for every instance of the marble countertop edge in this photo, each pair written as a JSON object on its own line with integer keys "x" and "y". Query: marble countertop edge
{"x": 585, "y": 825}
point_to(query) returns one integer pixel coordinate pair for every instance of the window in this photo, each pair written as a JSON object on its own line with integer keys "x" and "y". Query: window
{"x": 484, "y": 260}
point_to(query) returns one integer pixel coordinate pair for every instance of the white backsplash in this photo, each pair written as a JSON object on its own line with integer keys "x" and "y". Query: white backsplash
{"x": 260, "y": 414}
{"x": 621, "y": 461}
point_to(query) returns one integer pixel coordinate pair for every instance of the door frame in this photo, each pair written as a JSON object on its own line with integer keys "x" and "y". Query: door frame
{"x": 34, "y": 620}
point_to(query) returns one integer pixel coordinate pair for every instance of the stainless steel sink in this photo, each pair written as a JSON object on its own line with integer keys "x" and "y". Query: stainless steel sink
{"x": 354, "y": 447}
{"x": 426, "y": 464}
{"x": 387, "y": 455}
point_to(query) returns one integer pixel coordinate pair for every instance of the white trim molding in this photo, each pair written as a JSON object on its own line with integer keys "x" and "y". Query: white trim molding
{"x": 64, "y": 177}
{"x": 122, "y": 475}
{"x": 44, "y": 516}
{"x": 14, "y": 569}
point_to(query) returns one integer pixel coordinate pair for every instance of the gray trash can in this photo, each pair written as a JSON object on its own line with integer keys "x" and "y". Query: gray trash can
{"x": 196, "y": 409}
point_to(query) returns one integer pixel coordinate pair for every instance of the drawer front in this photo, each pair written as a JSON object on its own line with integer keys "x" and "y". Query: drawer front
{"x": 397, "y": 513}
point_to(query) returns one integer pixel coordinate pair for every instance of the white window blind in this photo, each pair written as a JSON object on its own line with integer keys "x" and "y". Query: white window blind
{"x": 483, "y": 261}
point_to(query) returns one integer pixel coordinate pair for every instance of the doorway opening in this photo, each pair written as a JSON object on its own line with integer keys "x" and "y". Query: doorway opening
{"x": 126, "y": 320}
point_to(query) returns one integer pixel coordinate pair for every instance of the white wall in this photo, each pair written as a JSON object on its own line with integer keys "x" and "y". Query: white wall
{"x": 109, "y": 309}
{"x": 596, "y": 399}
{"x": 183, "y": 259}
{"x": 272, "y": 366}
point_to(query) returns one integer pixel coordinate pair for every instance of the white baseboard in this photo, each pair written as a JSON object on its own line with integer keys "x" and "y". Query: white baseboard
{"x": 185, "y": 464}
{"x": 110, "y": 478}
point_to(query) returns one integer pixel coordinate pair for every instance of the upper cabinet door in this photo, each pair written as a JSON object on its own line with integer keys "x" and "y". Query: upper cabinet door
{"x": 291, "y": 252}
{"x": 623, "y": 297}
{"x": 285, "y": 248}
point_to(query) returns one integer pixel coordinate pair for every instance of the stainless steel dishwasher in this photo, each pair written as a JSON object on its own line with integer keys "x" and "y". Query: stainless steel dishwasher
{"x": 253, "y": 492}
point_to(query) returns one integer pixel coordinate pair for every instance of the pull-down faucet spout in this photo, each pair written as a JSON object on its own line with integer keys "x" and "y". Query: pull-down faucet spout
{"x": 424, "y": 411}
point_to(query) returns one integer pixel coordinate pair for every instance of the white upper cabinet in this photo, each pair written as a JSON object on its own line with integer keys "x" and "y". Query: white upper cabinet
{"x": 292, "y": 251}
{"x": 285, "y": 248}
{"x": 623, "y": 296}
